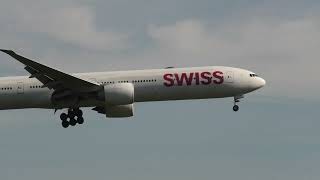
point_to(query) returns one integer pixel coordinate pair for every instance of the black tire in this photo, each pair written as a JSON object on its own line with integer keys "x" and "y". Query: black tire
{"x": 65, "y": 124}
{"x": 236, "y": 108}
{"x": 71, "y": 114}
{"x": 72, "y": 122}
{"x": 80, "y": 120}
{"x": 78, "y": 113}
{"x": 63, "y": 117}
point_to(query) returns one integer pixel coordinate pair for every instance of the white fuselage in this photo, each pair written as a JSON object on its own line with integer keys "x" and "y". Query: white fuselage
{"x": 149, "y": 85}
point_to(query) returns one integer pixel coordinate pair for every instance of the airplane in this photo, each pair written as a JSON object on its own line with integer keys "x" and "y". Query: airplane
{"x": 114, "y": 93}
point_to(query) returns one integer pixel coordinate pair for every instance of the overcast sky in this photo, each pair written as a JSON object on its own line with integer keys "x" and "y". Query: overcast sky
{"x": 274, "y": 136}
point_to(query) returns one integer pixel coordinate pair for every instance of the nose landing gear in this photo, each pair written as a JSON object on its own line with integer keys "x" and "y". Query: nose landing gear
{"x": 235, "y": 108}
{"x": 237, "y": 100}
{"x": 74, "y": 116}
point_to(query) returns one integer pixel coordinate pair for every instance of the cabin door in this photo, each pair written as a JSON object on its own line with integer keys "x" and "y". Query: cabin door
{"x": 229, "y": 77}
{"x": 20, "y": 88}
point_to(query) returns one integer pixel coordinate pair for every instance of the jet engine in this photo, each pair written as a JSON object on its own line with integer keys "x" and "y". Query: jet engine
{"x": 119, "y": 94}
{"x": 119, "y": 99}
{"x": 119, "y": 111}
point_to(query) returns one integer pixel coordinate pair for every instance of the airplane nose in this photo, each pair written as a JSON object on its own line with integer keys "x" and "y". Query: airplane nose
{"x": 261, "y": 82}
{"x": 257, "y": 83}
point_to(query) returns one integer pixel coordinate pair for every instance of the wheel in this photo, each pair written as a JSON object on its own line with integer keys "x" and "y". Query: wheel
{"x": 80, "y": 120}
{"x": 71, "y": 114}
{"x": 78, "y": 113}
{"x": 63, "y": 116}
{"x": 65, "y": 124}
{"x": 235, "y": 108}
{"x": 72, "y": 122}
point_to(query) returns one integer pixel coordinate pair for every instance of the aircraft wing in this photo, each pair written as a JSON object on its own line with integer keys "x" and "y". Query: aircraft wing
{"x": 52, "y": 78}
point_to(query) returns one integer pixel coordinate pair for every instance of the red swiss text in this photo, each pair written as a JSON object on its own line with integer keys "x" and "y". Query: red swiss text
{"x": 193, "y": 78}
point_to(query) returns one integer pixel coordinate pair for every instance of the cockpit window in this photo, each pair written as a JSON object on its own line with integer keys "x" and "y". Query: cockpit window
{"x": 253, "y": 75}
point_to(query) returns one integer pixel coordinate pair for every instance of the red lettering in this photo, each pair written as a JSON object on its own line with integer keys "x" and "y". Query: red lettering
{"x": 184, "y": 77}
{"x": 169, "y": 81}
{"x": 197, "y": 78}
{"x": 206, "y": 78}
{"x": 219, "y": 77}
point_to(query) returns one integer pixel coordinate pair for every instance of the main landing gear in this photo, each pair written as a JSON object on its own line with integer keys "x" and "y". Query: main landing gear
{"x": 237, "y": 100}
{"x": 74, "y": 116}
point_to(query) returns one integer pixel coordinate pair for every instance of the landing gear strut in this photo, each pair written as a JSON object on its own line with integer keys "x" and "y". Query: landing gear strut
{"x": 74, "y": 116}
{"x": 237, "y": 100}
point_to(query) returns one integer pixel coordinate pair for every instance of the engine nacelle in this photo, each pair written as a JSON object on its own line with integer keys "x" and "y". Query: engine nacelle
{"x": 119, "y": 99}
{"x": 119, "y": 111}
{"x": 119, "y": 94}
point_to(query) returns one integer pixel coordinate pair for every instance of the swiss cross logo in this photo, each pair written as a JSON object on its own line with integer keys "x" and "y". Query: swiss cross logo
{"x": 193, "y": 78}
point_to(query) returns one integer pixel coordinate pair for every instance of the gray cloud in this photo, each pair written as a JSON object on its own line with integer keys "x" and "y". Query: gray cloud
{"x": 64, "y": 22}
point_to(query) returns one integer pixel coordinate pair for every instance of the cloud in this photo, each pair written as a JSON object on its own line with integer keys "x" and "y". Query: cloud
{"x": 71, "y": 24}
{"x": 189, "y": 36}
